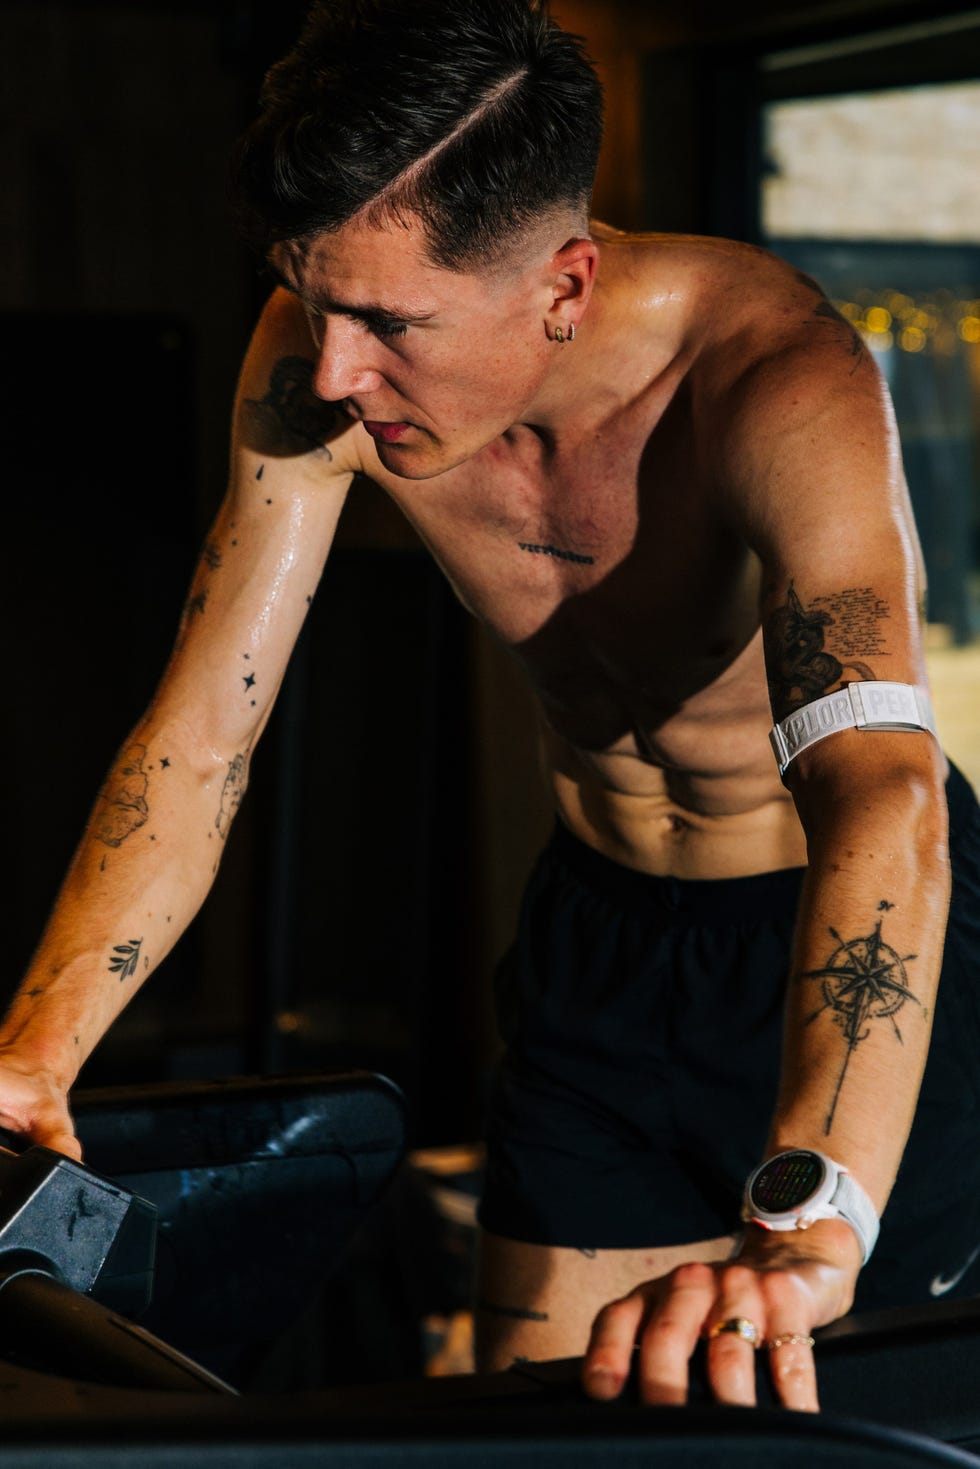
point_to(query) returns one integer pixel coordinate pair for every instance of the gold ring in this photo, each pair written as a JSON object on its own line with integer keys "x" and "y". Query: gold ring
{"x": 737, "y": 1326}
{"x": 790, "y": 1339}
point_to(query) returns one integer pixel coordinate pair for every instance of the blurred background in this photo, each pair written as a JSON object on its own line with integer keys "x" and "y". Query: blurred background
{"x": 356, "y": 921}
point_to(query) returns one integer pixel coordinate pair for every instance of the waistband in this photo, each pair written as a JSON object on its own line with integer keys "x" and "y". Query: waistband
{"x": 724, "y": 901}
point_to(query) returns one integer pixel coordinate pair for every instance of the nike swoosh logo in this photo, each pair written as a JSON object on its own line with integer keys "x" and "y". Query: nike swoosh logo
{"x": 941, "y": 1285}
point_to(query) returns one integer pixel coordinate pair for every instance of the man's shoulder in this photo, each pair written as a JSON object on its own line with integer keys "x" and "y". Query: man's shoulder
{"x": 768, "y": 346}
{"x": 747, "y": 320}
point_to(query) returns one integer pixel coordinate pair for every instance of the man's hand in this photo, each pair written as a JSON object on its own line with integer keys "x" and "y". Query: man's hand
{"x": 783, "y": 1287}
{"x": 33, "y": 1105}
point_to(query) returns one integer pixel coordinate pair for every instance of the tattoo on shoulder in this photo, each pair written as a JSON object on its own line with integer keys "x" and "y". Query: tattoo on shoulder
{"x": 864, "y": 980}
{"x": 799, "y": 664}
{"x": 826, "y": 311}
{"x": 122, "y": 805}
{"x": 231, "y": 793}
{"x": 290, "y": 418}
{"x": 125, "y": 958}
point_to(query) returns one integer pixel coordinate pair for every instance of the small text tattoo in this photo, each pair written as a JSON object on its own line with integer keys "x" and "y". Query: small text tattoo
{"x": 516, "y": 1313}
{"x": 122, "y": 806}
{"x": 858, "y": 616}
{"x": 864, "y": 980}
{"x": 559, "y": 555}
{"x": 125, "y": 958}
{"x": 800, "y": 668}
{"x": 290, "y": 418}
{"x": 231, "y": 794}
{"x": 212, "y": 555}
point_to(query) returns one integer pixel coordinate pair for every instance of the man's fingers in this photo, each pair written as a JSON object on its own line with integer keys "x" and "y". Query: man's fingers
{"x": 793, "y": 1369}
{"x": 60, "y": 1142}
{"x": 672, "y": 1332}
{"x": 735, "y": 1329}
{"x": 610, "y": 1351}
{"x": 45, "y": 1126}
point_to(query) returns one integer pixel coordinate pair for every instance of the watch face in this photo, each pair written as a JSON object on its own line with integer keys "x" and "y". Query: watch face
{"x": 786, "y": 1182}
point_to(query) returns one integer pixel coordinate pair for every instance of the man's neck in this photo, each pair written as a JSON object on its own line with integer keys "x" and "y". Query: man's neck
{"x": 629, "y": 337}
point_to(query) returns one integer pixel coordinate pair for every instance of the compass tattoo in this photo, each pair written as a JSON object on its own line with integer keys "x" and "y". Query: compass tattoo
{"x": 863, "y": 980}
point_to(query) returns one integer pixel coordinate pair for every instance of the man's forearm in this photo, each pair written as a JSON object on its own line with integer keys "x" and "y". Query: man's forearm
{"x": 142, "y": 870}
{"x": 862, "y": 986}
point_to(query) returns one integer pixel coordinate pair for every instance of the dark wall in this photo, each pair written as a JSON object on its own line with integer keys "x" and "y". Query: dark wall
{"x": 332, "y": 936}
{"x": 125, "y": 302}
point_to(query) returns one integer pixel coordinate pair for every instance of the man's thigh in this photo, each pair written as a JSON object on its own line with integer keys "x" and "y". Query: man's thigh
{"x": 538, "y": 1302}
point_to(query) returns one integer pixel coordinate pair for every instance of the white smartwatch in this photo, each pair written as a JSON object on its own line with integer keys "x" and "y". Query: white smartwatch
{"x": 795, "y": 1189}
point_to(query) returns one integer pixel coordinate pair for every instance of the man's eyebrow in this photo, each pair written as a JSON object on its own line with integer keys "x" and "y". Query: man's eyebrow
{"x": 368, "y": 311}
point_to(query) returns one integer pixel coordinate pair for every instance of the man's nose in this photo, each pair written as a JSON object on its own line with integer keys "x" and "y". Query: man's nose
{"x": 344, "y": 365}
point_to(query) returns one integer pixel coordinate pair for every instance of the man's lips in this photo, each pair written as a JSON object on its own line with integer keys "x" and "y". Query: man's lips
{"x": 388, "y": 433}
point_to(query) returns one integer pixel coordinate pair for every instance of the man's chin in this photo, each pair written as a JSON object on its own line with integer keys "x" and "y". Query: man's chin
{"x": 417, "y": 461}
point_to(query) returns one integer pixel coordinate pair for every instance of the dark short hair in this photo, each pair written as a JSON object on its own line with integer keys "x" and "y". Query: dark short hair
{"x": 476, "y": 116}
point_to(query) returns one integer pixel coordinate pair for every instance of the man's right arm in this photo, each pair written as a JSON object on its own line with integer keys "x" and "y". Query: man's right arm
{"x": 156, "y": 835}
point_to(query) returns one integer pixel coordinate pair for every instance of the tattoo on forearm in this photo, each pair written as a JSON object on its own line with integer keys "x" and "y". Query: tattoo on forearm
{"x": 799, "y": 666}
{"x": 291, "y": 419}
{"x": 125, "y": 958}
{"x": 231, "y": 793}
{"x": 864, "y": 980}
{"x": 123, "y": 808}
{"x": 212, "y": 555}
{"x": 248, "y": 679}
{"x": 515, "y": 1313}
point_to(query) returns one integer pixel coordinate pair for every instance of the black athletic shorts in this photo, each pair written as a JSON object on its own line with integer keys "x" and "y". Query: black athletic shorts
{"x": 641, "y": 1020}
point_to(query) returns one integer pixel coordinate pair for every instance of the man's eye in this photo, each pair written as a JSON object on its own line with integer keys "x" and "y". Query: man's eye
{"x": 389, "y": 328}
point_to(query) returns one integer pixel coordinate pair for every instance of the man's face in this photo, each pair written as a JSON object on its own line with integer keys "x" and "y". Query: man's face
{"x": 435, "y": 364}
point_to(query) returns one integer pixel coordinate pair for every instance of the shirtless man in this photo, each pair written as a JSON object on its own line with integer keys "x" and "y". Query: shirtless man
{"x": 658, "y": 469}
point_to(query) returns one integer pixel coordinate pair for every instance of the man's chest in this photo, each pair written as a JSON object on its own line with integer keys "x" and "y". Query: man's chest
{"x": 611, "y": 561}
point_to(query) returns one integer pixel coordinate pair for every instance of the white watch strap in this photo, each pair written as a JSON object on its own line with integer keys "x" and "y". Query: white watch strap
{"x": 869, "y": 704}
{"x": 858, "y": 1211}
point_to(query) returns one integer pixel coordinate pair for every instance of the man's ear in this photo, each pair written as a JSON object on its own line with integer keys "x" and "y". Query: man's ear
{"x": 573, "y": 271}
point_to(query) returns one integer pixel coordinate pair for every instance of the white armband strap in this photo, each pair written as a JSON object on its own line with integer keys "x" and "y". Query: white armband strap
{"x": 865, "y": 705}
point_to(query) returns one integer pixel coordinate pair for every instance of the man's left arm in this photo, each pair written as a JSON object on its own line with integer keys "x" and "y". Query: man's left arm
{"x": 818, "y": 493}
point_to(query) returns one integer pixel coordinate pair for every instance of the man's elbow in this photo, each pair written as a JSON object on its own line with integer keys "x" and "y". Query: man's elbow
{"x": 887, "y": 784}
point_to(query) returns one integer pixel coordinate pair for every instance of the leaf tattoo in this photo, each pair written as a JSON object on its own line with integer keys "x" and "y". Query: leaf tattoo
{"x": 125, "y": 959}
